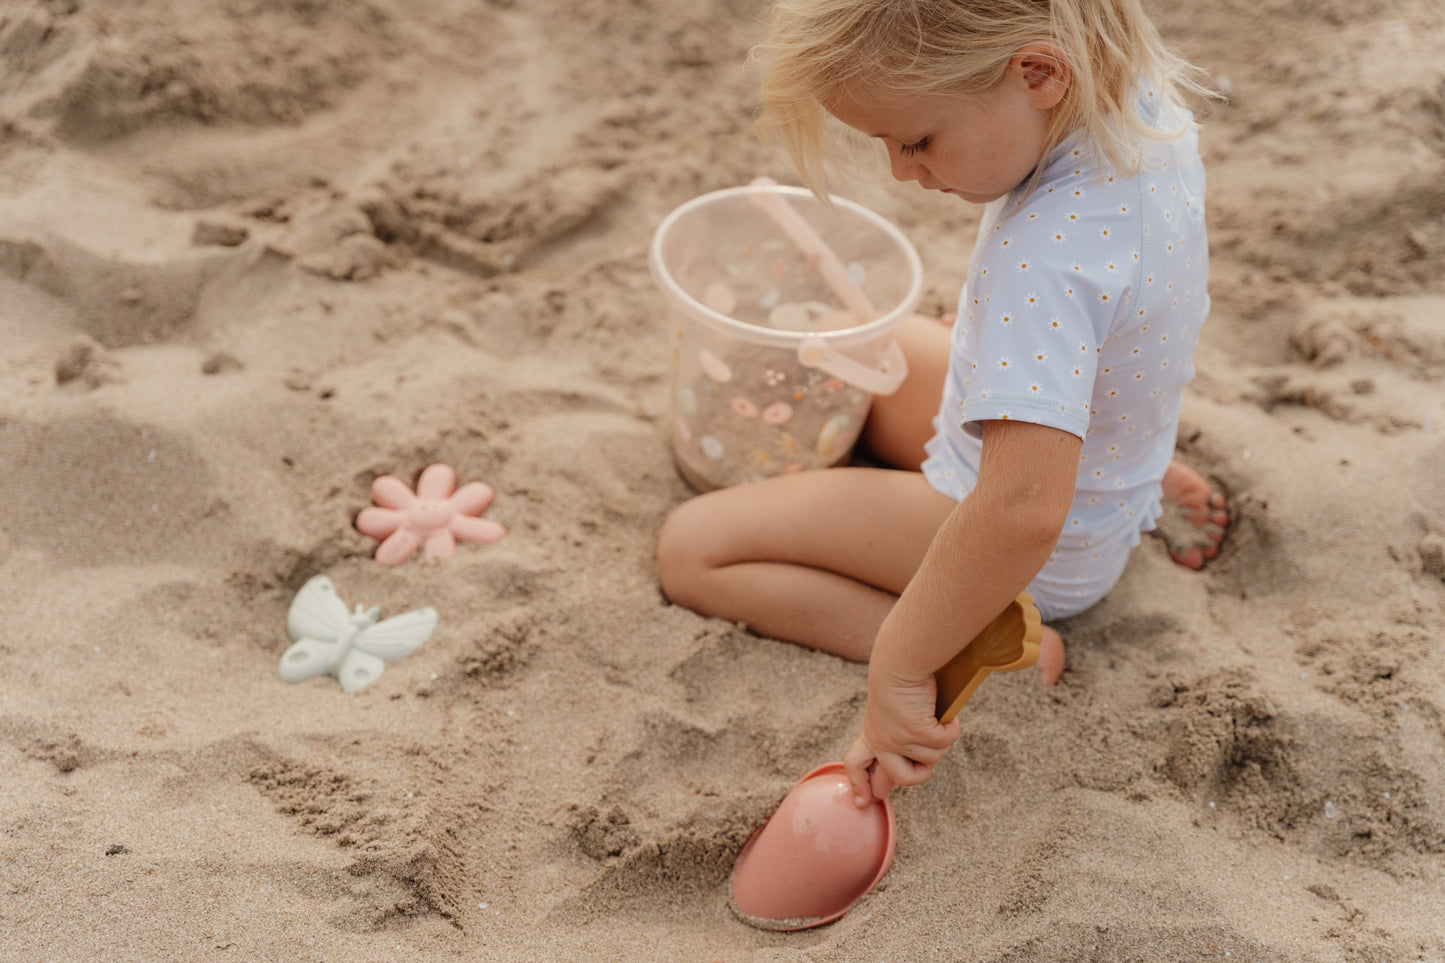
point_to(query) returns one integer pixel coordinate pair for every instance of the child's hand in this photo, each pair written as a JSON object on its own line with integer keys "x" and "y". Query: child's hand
{"x": 900, "y": 734}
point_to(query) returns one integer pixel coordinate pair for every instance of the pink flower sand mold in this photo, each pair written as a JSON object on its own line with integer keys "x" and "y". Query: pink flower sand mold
{"x": 437, "y": 514}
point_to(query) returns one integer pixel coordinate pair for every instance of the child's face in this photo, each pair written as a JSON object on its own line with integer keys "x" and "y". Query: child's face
{"x": 978, "y": 147}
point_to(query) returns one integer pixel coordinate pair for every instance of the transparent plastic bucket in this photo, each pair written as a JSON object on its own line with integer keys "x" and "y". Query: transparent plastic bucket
{"x": 782, "y": 314}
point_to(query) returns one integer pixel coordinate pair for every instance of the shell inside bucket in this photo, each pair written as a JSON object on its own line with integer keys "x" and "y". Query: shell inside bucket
{"x": 743, "y": 298}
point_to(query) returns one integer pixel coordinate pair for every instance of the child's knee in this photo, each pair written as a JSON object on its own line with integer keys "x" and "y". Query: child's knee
{"x": 679, "y": 554}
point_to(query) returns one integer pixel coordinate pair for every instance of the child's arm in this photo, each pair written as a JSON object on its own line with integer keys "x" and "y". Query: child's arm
{"x": 988, "y": 551}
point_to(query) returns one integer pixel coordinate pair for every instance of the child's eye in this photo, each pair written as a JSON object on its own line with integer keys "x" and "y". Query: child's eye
{"x": 921, "y": 145}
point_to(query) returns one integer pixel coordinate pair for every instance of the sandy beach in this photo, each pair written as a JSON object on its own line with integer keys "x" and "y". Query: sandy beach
{"x": 256, "y": 253}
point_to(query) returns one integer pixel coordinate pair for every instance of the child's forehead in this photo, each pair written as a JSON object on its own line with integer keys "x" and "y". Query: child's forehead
{"x": 870, "y": 93}
{"x": 878, "y": 104}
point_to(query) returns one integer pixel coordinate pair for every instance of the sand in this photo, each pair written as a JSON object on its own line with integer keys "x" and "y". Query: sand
{"x": 255, "y": 253}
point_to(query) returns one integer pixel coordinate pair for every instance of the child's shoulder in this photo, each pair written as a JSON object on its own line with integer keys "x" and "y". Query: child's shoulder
{"x": 1071, "y": 193}
{"x": 1076, "y": 183}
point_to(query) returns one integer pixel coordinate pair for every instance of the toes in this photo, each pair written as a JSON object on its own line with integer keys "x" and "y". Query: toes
{"x": 1190, "y": 558}
{"x": 1215, "y": 513}
{"x": 1219, "y": 510}
{"x": 1051, "y": 658}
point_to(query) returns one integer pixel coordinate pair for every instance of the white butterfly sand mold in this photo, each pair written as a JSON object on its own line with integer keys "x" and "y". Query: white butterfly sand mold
{"x": 355, "y": 646}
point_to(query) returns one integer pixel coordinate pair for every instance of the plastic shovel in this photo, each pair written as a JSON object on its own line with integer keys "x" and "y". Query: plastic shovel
{"x": 819, "y": 853}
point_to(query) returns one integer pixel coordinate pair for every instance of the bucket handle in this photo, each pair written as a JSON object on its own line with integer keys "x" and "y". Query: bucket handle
{"x": 814, "y": 248}
{"x": 882, "y": 380}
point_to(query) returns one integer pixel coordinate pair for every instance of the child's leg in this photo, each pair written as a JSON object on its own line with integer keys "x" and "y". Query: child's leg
{"x": 899, "y": 424}
{"x": 816, "y": 558}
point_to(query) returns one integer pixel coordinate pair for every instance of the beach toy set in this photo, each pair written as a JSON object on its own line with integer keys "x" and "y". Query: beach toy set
{"x": 779, "y": 339}
{"x": 327, "y": 639}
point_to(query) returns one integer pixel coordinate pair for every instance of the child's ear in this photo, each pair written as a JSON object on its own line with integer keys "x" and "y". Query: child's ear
{"x": 1043, "y": 69}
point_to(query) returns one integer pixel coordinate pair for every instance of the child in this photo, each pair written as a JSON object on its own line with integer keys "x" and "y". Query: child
{"x": 1033, "y": 440}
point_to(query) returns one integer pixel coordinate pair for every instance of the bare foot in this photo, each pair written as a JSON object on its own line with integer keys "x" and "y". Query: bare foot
{"x": 1195, "y": 517}
{"x": 1051, "y": 657}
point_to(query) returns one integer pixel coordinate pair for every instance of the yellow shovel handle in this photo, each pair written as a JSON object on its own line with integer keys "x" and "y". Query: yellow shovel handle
{"x": 1008, "y": 643}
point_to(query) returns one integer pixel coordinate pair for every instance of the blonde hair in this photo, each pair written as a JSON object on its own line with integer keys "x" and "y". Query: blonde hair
{"x": 959, "y": 47}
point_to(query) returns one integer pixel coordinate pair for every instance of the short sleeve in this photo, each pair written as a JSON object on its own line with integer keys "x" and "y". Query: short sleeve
{"x": 1046, "y": 287}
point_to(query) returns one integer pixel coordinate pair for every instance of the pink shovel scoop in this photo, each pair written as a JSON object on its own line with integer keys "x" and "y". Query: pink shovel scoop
{"x": 819, "y": 853}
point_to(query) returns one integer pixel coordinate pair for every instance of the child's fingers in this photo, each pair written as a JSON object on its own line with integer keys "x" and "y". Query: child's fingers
{"x": 857, "y": 763}
{"x": 919, "y": 753}
{"x": 917, "y": 773}
{"x": 949, "y": 733}
{"x": 902, "y": 771}
{"x": 932, "y": 745}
